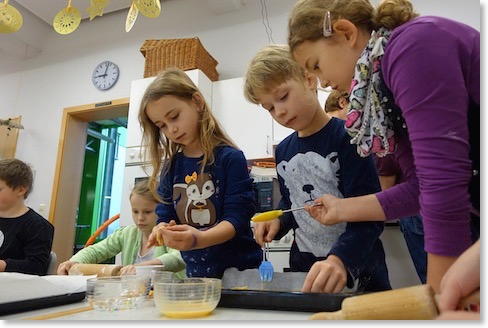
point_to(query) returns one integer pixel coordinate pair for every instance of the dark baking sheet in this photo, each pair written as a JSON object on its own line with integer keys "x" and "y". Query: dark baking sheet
{"x": 40, "y": 303}
{"x": 282, "y": 301}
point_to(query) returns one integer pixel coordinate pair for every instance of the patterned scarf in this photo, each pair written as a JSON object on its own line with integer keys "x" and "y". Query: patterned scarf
{"x": 367, "y": 123}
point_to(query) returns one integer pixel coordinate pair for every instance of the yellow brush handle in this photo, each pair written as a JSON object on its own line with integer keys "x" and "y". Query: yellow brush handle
{"x": 267, "y": 216}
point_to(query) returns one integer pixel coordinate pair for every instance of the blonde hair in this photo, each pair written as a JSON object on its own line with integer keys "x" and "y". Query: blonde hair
{"x": 270, "y": 67}
{"x": 306, "y": 20}
{"x": 332, "y": 102}
{"x": 142, "y": 189}
{"x": 175, "y": 82}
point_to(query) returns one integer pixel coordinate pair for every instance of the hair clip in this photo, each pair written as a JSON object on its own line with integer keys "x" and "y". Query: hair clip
{"x": 327, "y": 25}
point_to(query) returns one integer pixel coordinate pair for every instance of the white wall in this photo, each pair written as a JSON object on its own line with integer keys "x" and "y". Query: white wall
{"x": 60, "y": 75}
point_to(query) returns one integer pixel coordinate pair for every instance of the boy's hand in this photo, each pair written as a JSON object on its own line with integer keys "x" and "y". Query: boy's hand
{"x": 264, "y": 232}
{"x": 327, "y": 276}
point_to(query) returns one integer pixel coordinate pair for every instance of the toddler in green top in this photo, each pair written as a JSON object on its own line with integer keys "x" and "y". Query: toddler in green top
{"x": 131, "y": 240}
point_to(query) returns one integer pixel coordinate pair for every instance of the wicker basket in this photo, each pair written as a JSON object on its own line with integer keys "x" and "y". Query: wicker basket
{"x": 185, "y": 54}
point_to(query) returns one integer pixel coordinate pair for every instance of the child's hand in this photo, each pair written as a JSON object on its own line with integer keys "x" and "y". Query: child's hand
{"x": 181, "y": 237}
{"x": 327, "y": 276}
{"x": 264, "y": 232}
{"x": 63, "y": 268}
{"x": 156, "y": 237}
{"x": 326, "y": 214}
{"x": 128, "y": 269}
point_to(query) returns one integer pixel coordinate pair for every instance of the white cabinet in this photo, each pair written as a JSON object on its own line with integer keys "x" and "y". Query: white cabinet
{"x": 134, "y": 132}
{"x": 249, "y": 125}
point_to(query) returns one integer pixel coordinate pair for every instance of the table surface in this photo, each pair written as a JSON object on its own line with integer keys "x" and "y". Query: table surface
{"x": 148, "y": 312}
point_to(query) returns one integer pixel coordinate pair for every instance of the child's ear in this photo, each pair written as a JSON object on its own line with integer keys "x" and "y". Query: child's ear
{"x": 347, "y": 29}
{"x": 198, "y": 101}
{"x": 312, "y": 80}
{"x": 21, "y": 191}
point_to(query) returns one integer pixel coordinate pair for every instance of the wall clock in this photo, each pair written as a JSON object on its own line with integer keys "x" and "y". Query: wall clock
{"x": 105, "y": 75}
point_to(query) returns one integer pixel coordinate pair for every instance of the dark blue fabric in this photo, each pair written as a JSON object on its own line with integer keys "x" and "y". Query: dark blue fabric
{"x": 327, "y": 161}
{"x": 413, "y": 232}
{"x": 232, "y": 200}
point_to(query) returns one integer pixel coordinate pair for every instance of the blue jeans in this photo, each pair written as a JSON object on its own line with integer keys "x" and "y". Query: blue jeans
{"x": 413, "y": 232}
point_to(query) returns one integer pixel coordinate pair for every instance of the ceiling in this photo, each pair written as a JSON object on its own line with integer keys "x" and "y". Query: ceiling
{"x": 47, "y": 9}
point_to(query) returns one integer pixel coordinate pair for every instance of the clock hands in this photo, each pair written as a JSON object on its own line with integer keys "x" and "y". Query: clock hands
{"x": 105, "y": 73}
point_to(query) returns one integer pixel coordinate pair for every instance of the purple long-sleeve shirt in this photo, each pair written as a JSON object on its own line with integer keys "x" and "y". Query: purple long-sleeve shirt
{"x": 432, "y": 67}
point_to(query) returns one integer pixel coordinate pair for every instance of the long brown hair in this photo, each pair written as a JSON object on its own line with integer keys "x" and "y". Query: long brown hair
{"x": 158, "y": 148}
{"x": 306, "y": 20}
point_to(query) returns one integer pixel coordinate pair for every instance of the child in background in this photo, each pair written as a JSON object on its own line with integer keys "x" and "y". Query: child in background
{"x": 206, "y": 191}
{"x": 414, "y": 92}
{"x": 26, "y": 237}
{"x": 131, "y": 240}
{"x": 336, "y": 104}
{"x": 316, "y": 159}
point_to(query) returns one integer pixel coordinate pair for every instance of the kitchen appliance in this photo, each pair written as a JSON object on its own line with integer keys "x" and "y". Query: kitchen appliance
{"x": 263, "y": 190}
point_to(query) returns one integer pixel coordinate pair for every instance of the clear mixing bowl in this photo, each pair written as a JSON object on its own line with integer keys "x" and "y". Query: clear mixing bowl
{"x": 117, "y": 292}
{"x": 187, "y": 298}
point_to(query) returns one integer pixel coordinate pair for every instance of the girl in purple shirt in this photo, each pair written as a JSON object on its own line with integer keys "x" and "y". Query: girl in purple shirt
{"x": 414, "y": 93}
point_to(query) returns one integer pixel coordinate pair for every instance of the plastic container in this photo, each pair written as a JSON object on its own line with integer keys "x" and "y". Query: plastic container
{"x": 187, "y": 298}
{"x": 117, "y": 293}
{"x": 148, "y": 270}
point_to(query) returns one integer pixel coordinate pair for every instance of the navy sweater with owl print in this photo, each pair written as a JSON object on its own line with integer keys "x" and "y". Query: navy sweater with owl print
{"x": 326, "y": 163}
{"x": 223, "y": 192}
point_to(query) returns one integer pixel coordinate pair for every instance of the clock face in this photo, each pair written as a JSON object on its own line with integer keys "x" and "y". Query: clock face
{"x": 105, "y": 75}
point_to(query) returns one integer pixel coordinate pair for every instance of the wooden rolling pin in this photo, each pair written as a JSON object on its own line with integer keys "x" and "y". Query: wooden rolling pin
{"x": 410, "y": 303}
{"x": 101, "y": 270}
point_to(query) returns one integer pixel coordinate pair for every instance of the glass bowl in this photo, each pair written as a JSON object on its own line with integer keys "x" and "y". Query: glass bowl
{"x": 187, "y": 298}
{"x": 117, "y": 292}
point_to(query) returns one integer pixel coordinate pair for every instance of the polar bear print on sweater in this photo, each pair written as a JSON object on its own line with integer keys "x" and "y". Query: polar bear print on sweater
{"x": 307, "y": 176}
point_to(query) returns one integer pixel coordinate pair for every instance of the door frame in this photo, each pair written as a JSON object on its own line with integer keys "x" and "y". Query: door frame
{"x": 69, "y": 168}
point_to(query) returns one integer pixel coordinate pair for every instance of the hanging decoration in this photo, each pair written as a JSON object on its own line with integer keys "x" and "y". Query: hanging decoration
{"x": 96, "y": 8}
{"x": 149, "y": 8}
{"x": 131, "y": 16}
{"x": 67, "y": 20}
{"x": 10, "y": 18}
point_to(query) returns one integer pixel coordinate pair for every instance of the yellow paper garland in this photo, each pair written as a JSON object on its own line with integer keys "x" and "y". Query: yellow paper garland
{"x": 149, "y": 8}
{"x": 131, "y": 17}
{"x": 10, "y": 18}
{"x": 67, "y": 20}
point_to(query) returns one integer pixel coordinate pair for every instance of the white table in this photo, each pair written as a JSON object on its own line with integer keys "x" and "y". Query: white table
{"x": 150, "y": 312}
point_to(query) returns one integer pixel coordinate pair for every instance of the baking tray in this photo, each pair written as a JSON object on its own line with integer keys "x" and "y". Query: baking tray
{"x": 40, "y": 303}
{"x": 282, "y": 301}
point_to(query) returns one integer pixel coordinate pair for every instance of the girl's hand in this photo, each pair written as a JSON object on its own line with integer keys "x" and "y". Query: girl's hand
{"x": 264, "y": 232}
{"x": 128, "y": 269}
{"x": 181, "y": 237}
{"x": 327, "y": 276}
{"x": 328, "y": 213}
{"x": 156, "y": 236}
{"x": 63, "y": 268}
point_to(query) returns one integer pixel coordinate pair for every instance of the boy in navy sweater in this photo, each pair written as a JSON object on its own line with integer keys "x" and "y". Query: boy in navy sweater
{"x": 316, "y": 159}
